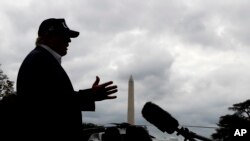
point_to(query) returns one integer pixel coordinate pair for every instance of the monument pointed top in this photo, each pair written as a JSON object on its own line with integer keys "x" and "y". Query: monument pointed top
{"x": 131, "y": 78}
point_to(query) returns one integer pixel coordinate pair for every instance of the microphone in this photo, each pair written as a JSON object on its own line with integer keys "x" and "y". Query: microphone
{"x": 166, "y": 123}
{"x": 160, "y": 118}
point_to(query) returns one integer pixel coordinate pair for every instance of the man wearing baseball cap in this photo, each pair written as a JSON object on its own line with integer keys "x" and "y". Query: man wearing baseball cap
{"x": 50, "y": 109}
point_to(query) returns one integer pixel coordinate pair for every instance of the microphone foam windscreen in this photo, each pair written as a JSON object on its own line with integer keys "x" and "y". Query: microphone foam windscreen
{"x": 160, "y": 118}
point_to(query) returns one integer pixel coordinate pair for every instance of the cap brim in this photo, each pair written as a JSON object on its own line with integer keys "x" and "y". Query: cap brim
{"x": 73, "y": 34}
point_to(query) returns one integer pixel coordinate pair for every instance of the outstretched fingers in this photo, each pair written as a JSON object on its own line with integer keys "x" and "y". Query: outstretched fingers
{"x": 106, "y": 84}
{"x": 111, "y": 88}
{"x": 105, "y": 90}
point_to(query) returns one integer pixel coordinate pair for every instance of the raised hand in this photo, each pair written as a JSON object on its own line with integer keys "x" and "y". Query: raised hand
{"x": 103, "y": 91}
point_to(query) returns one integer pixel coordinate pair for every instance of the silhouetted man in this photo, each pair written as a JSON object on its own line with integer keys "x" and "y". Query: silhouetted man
{"x": 49, "y": 108}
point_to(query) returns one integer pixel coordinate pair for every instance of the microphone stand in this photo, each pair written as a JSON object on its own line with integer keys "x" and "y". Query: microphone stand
{"x": 189, "y": 135}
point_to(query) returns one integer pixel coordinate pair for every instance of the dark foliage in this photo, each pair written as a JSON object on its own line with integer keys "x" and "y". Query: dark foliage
{"x": 229, "y": 124}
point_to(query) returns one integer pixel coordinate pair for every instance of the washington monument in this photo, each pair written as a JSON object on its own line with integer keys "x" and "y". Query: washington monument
{"x": 131, "y": 116}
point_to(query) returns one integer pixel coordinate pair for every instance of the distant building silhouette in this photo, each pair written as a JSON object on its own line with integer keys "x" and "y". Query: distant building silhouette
{"x": 130, "y": 114}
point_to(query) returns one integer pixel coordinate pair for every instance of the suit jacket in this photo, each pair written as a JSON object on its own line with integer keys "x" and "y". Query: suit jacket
{"x": 49, "y": 108}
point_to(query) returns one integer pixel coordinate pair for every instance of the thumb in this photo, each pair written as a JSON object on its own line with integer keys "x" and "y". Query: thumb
{"x": 97, "y": 80}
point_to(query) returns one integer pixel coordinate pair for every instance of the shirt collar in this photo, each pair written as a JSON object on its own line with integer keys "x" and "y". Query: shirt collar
{"x": 57, "y": 56}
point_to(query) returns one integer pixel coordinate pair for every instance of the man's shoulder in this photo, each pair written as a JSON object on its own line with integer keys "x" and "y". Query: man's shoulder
{"x": 38, "y": 52}
{"x": 38, "y": 56}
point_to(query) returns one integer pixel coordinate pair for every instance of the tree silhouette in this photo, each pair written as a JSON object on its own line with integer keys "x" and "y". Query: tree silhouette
{"x": 8, "y": 108}
{"x": 6, "y": 86}
{"x": 228, "y": 124}
{"x": 242, "y": 109}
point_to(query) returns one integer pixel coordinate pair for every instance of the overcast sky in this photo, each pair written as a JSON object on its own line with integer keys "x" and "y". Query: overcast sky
{"x": 190, "y": 57}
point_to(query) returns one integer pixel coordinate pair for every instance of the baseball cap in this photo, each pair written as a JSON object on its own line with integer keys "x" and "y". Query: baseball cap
{"x": 57, "y": 27}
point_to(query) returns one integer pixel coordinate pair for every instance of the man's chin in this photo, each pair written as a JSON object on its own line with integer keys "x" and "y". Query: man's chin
{"x": 63, "y": 53}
